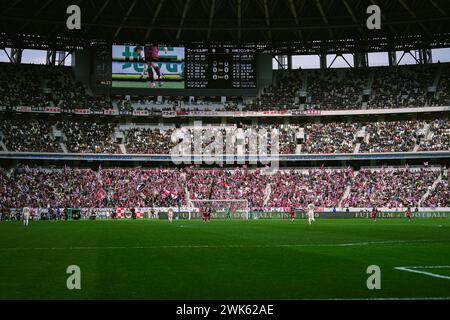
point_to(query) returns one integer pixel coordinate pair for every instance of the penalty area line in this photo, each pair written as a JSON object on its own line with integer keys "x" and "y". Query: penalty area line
{"x": 413, "y": 269}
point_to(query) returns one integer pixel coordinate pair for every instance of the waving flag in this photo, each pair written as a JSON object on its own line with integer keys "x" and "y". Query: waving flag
{"x": 120, "y": 213}
{"x": 140, "y": 187}
{"x": 139, "y": 214}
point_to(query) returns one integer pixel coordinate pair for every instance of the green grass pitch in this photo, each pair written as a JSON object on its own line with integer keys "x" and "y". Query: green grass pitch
{"x": 258, "y": 259}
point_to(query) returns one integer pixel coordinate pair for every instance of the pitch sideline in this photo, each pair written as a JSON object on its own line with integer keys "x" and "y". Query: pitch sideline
{"x": 366, "y": 243}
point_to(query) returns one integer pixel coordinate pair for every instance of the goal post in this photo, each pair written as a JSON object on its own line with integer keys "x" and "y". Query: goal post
{"x": 239, "y": 208}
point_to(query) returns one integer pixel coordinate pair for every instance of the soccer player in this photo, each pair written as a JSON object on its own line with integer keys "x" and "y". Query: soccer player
{"x": 408, "y": 213}
{"x": 374, "y": 214}
{"x": 311, "y": 208}
{"x": 170, "y": 215}
{"x": 150, "y": 54}
{"x": 204, "y": 214}
{"x": 292, "y": 212}
{"x": 209, "y": 213}
{"x": 227, "y": 212}
{"x": 26, "y": 216}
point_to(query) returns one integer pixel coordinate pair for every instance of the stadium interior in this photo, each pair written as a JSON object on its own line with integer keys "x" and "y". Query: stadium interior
{"x": 92, "y": 128}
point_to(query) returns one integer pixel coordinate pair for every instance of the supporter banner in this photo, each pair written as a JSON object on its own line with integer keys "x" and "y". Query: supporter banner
{"x": 140, "y": 113}
{"x": 313, "y": 112}
{"x": 236, "y": 114}
{"x": 169, "y": 114}
{"x": 24, "y": 109}
{"x": 306, "y": 112}
{"x": 111, "y": 112}
{"x": 82, "y": 111}
{"x": 52, "y": 110}
{"x": 275, "y": 113}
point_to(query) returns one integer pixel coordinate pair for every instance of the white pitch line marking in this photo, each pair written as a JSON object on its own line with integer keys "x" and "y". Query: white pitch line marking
{"x": 413, "y": 269}
{"x": 391, "y": 298}
{"x": 224, "y": 246}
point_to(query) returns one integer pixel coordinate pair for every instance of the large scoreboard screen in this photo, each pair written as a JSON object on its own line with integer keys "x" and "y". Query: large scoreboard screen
{"x": 160, "y": 67}
{"x": 220, "y": 68}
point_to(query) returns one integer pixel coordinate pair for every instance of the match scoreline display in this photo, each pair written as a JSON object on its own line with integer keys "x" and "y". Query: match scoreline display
{"x": 159, "y": 67}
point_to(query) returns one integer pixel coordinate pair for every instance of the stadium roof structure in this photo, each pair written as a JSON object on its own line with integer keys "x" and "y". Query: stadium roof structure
{"x": 280, "y": 26}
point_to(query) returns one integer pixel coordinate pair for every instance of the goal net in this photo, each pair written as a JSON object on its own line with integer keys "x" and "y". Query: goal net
{"x": 238, "y": 208}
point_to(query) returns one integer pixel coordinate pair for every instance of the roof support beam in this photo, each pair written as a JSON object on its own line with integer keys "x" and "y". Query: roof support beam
{"x": 267, "y": 16}
{"x": 37, "y": 13}
{"x": 351, "y": 13}
{"x": 97, "y": 15}
{"x": 324, "y": 18}
{"x": 152, "y": 23}
{"x": 413, "y": 15}
{"x": 125, "y": 18}
{"x": 12, "y": 5}
{"x": 239, "y": 22}
{"x": 211, "y": 18}
{"x": 294, "y": 14}
{"x": 183, "y": 17}
{"x": 442, "y": 11}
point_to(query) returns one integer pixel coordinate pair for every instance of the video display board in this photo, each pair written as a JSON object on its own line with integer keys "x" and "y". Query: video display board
{"x": 159, "y": 67}
{"x": 220, "y": 68}
{"x": 148, "y": 67}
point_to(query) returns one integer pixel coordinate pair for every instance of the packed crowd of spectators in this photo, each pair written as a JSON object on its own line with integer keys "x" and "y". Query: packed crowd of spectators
{"x": 390, "y": 188}
{"x": 20, "y": 85}
{"x": 440, "y": 197}
{"x": 68, "y": 94}
{"x": 148, "y": 141}
{"x": 442, "y": 97}
{"x": 139, "y": 187}
{"x": 88, "y": 137}
{"x": 31, "y": 136}
{"x": 394, "y": 136}
{"x": 299, "y": 188}
{"x": 318, "y": 138}
{"x": 44, "y": 86}
{"x": 336, "y": 137}
{"x": 440, "y": 136}
{"x": 340, "y": 89}
{"x": 401, "y": 86}
{"x": 392, "y": 87}
{"x": 336, "y": 89}
{"x": 40, "y": 188}
{"x": 280, "y": 95}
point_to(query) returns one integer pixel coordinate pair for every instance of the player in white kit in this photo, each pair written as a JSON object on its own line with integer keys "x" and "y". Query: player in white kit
{"x": 26, "y": 215}
{"x": 311, "y": 208}
{"x": 170, "y": 215}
